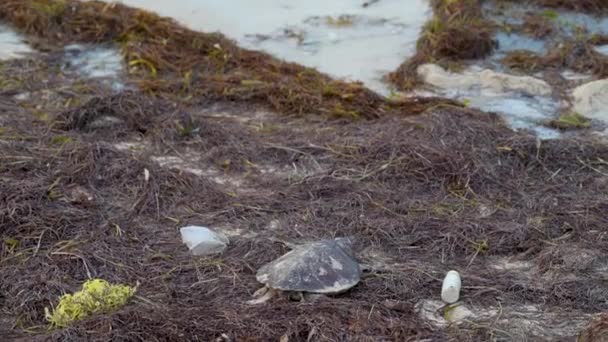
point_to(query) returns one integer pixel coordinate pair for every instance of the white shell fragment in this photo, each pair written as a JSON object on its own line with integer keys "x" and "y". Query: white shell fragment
{"x": 325, "y": 267}
{"x": 203, "y": 241}
{"x": 450, "y": 291}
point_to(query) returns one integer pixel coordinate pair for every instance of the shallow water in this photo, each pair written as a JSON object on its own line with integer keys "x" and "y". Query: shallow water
{"x": 365, "y": 44}
{"x": 98, "y": 62}
{"x": 523, "y": 104}
{"x": 521, "y": 112}
{"x": 346, "y": 40}
{"x": 512, "y": 41}
{"x": 603, "y": 49}
{"x": 11, "y": 44}
{"x": 342, "y": 38}
{"x": 567, "y": 21}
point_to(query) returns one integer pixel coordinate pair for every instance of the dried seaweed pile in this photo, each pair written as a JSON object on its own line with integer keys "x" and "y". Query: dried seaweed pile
{"x": 457, "y": 32}
{"x": 179, "y": 63}
{"x": 447, "y": 190}
{"x": 571, "y": 48}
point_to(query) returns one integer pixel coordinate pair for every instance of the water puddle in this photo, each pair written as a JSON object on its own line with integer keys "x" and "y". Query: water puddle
{"x": 11, "y": 44}
{"x": 524, "y": 101}
{"x": 568, "y": 23}
{"x": 527, "y": 101}
{"x": 522, "y": 113}
{"x": 603, "y": 49}
{"x": 95, "y": 62}
{"x": 508, "y": 42}
{"x": 356, "y": 40}
{"x": 570, "y": 75}
{"x": 343, "y": 38}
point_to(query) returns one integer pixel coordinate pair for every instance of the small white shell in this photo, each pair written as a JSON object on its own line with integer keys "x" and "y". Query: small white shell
{"x": 450, "y": 291}
{"x": 203, "y": 241}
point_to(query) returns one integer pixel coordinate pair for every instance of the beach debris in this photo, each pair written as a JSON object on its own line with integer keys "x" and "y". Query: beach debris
{"x": 97, "y": 296}
{"x": 591, "y": 100}
{"x": 498, "y": 82}
{"x": 203, "y": 241}
{"x": 324, "y": 267}
{"x": 450, "y": 291}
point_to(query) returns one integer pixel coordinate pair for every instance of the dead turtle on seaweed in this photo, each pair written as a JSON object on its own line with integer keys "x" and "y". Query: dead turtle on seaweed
{"x": 324, "y": 267}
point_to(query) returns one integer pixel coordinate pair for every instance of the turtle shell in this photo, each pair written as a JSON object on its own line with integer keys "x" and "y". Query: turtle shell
{"x": 320, "y": 267}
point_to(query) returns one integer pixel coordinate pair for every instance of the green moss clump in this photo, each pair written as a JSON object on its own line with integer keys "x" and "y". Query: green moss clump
{"x": 96, "y": 296}
{"x": 571, "y": 121}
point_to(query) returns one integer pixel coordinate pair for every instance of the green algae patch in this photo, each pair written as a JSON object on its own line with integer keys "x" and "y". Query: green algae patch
{"x": 571, "y": 121}
{"x": 97, "y": 296}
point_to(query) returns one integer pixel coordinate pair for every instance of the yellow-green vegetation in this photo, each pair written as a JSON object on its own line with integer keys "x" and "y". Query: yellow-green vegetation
{"x": 97, "y": 296}
{"x": 146, "y": 63}
{"x": 341, "y": 21}
{"x": 449, "y": 311}
{"x": 550, "y": 14}
{"x": 481, "y": 246}
{"x": 571, "y": 120}
{"x": 11, "y": 244}
{"x": 341, "y": 112}
{"x": 61, "y": 140}
{"x": 53, "y": 9}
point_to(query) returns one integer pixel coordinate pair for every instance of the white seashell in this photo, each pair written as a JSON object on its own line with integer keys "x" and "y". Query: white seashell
{"x": 450, "y": 291}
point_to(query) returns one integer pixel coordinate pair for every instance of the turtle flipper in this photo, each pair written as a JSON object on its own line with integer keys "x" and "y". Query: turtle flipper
{"x": 262, "y": 296}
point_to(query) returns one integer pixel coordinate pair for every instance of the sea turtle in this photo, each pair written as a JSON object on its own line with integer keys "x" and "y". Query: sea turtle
{"x": 323, "y": 267}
